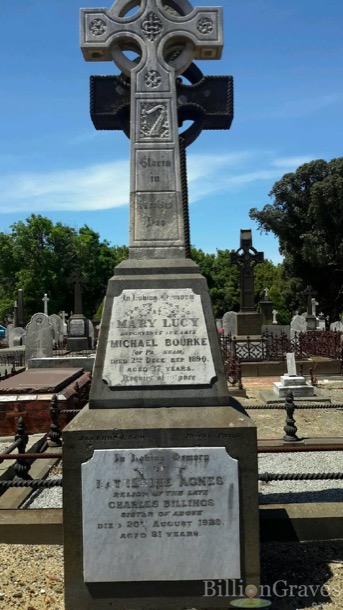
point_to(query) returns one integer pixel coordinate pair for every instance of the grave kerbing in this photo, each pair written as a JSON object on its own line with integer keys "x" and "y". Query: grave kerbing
{"x": 159, "y": 397}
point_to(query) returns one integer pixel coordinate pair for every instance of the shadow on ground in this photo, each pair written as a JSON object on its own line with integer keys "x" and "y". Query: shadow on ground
{"x": 303, "y": 574}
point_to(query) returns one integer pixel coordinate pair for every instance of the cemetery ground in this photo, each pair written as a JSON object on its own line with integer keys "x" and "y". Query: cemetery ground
{"x": 31, "y": 577}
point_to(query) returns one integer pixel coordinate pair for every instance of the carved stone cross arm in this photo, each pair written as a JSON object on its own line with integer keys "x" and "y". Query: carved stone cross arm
{"x": 166, "y": 44}
{"x": 104, "y": 32}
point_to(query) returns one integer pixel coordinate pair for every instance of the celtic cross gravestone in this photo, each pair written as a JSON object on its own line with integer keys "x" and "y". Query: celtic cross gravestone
{"x": 161, "y": 453}
{"x": 156, "y": 219}
{"x": 247, "y": 257}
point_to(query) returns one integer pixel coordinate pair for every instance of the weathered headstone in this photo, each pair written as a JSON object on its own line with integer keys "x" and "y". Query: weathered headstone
{"x": 246, "y": 257}
{"x": 219, "y": 324}
{"x": 39, "y": 338}
{"x": 298, "y": 325}
{"x": 336, "y": 326}
{"x": 63, "y": 316}
{"x": 16, "y": 336}
{"x": 175, "y": 434}
{"x": 230, "y": 323}
{"x": 90, "y": 334}
{"x": 57, "y": 329}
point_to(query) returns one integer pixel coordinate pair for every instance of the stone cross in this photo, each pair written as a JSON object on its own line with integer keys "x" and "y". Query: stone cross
{"x": 247, "y": 258}
{"x": 207, "y": 101}
{"x": 314, "y": 304}
{"x": 45, "y": 300}
{"x": 309, "y": 292}
{"x": 63, "y": 315}
{"x": 77, "y": 279}
{"x": 166, "y": 39}
{"x": 274, "y": 312}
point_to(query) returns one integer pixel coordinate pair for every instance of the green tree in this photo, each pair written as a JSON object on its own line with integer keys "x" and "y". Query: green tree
{"x": 222, "y": 279}
{"x": 307, "y": 216}
{"x": 39, "y": 256}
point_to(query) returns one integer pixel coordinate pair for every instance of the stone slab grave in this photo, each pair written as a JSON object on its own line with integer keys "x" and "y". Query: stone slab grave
{"x": 39, "y": 380}
{"x": 159, "y": 388}
{"x": 29, "y": 395}
{"x": 297, "y": 384}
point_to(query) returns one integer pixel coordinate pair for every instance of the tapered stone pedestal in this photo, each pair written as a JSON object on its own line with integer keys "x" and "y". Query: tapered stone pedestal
{"x": 179, "y": 514}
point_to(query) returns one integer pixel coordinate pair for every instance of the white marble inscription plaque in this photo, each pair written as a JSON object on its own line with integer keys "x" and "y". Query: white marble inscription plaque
{"x": 158, "y": 337}
{"x": 160, "y": 515}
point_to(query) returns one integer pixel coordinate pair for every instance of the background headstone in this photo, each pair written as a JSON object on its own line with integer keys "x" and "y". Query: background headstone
{"x": 39, "y": 337}
{"x": 337, "y": 326}
{"x": 16, "y": 337}
{"x": 57, "y": 326}
{"x": 230, "y": 323}
{"x": 219, "y": 324}
{"x": 246, "y": 258}
{"x": 90, "y": 334}
{"x": 298, "y": 325}
{"x": 9, "y": 327}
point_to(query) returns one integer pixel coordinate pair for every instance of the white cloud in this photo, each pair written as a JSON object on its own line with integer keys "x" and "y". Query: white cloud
{"x": 90, "y": 188}
{"x": 291, "y": 162}
{"x": 105, "y": 186}
{"x": 301, "y": 107}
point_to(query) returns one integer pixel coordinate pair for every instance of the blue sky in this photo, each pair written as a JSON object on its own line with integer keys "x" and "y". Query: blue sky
{"x": 286, "y": 57}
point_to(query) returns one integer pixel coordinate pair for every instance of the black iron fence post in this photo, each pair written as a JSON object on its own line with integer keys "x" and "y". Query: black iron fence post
{"x": 55, "y": 432}
{"x": 290, "y": 427}
{"x": 21, "y": 467}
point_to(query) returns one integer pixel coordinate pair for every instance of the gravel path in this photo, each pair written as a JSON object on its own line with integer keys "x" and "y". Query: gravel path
{"x": 31, "y": 577}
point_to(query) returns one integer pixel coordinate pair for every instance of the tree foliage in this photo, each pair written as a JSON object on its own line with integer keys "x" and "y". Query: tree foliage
{"x": 39, "y": 256}
{"x": 307, "y": 216}
{"x": 223, "y": 279}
